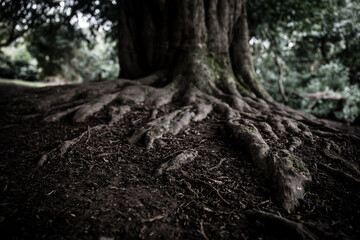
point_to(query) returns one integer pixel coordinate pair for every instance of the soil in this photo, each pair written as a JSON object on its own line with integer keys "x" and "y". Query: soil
{"x": 106, "y": 188}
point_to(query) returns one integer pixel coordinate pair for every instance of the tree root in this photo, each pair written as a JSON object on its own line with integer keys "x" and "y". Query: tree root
{"x": 257, "y": 125}
{"x": 287, "y": 173}
{"x": 116, "y": 115}
{"x": 342, "y": 175}
{"x": 178, "y": 162}
{"x": 171, "y": 123}
{"x": 332, "y": 155}
{"x": 282, "y": 226}
{"x": 65, "y": 146}
{"x": 59, "y": 115}
{"x": 93, "y": 107}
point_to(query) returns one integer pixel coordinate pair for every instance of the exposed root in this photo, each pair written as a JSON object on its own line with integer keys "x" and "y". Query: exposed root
{"x": 295, "y": 143}
{"x": 65, "y": 146}
{"x": 152, "y": 78}
{"x": 118, "y": 113}
{"x": 93, "y": 107}
{"x": 142, "y": 94}
{"x": 256, "y": 125}
{"x": 332, "y": 155}
{"x": 103, "y": 94}
{"x": 343, "y": 176}
{"x": 203, "y": 110}
{"x": 57, "y": 116}
{"x": 178, "y": 162}
{"x": 282, "y": 226}
{"x": 267, "y": 129}
{"x": 287, "y": 173}
{"x": 171, "y": 123}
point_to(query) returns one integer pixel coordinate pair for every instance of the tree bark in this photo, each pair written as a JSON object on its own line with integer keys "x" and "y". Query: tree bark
{"x": 160, "y": 34}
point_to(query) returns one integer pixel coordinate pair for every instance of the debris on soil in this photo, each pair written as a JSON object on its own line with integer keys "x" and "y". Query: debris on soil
{"x": 104, "y": 187}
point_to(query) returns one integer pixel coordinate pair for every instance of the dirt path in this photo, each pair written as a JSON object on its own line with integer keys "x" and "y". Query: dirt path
{"x": 105, "y": 187}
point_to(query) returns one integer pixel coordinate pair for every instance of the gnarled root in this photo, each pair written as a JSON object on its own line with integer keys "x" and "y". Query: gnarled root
{"x": 256, "y": 125}
{"x": 177, "y": 162}
{"x": 342, "y": 176}
{"x": 89, "y": 109}
{"x": 116, "y": 115}
{"x": 65, "y": 146}
{"x": 171, "y": 123}
{"x": 283, "y": 227}
{"x": 287, "y": 173}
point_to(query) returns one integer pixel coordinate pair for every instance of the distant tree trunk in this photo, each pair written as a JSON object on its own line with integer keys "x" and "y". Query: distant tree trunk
{"x": 169, "y": 34}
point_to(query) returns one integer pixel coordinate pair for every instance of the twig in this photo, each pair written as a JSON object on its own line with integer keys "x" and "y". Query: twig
{"x": 217, "y": 192}
{"x": 189, "y": 187}
{"x": 201, "y": 231}
{"x": 262, "y": 203}
{"x": 154, "y": 218}
{"x": 187, "y": 175}
{"x": 105, "y": 154}
{"x": 218, "y": 165}
{"x": 8, "y": 126}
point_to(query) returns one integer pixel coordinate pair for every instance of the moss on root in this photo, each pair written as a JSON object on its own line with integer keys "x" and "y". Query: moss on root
{"x": 204, "y": 68}
{"x": 297, "y": 164}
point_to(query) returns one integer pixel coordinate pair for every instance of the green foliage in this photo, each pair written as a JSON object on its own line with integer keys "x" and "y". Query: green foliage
{"x": 56, "y": 50}
{"x": 53, "y": 45}
{"x": 17, "y": 17}
{"x": 71, "y": 54}
{"x": 17, "y": 63}
{"x": 93, "y": 62}
{"x": 319, "y": 51}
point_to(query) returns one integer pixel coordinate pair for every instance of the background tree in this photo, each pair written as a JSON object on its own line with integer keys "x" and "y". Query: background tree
{"x": 20, "y": 16}
{"x": 309, "y": 49}
{"x": 53, "y": 45}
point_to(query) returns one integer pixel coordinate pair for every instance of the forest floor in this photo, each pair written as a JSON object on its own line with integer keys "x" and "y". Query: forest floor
{"x": 105, "y": 187}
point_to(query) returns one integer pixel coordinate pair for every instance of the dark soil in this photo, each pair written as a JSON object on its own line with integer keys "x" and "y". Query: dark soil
{"x": 106, "y": 188}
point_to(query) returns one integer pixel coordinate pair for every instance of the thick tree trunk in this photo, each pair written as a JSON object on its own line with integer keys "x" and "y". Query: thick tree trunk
{"x": 155, "y": 35}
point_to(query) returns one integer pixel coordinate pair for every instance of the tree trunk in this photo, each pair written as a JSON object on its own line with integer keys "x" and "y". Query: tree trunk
{"x": 170, "y": 34}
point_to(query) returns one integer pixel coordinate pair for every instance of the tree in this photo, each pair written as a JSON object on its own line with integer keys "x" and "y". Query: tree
{"x": 314, "y": 52}
{"x": 53, "y": 45}
{"x": 20, "y": 16}
{"x": 196, "y": 52}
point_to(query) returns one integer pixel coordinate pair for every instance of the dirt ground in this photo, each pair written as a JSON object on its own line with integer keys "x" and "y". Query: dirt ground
{"x": 106, "y": 188}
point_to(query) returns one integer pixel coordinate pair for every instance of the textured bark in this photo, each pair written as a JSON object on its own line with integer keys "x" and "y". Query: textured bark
{"x": 160, "y": 34}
